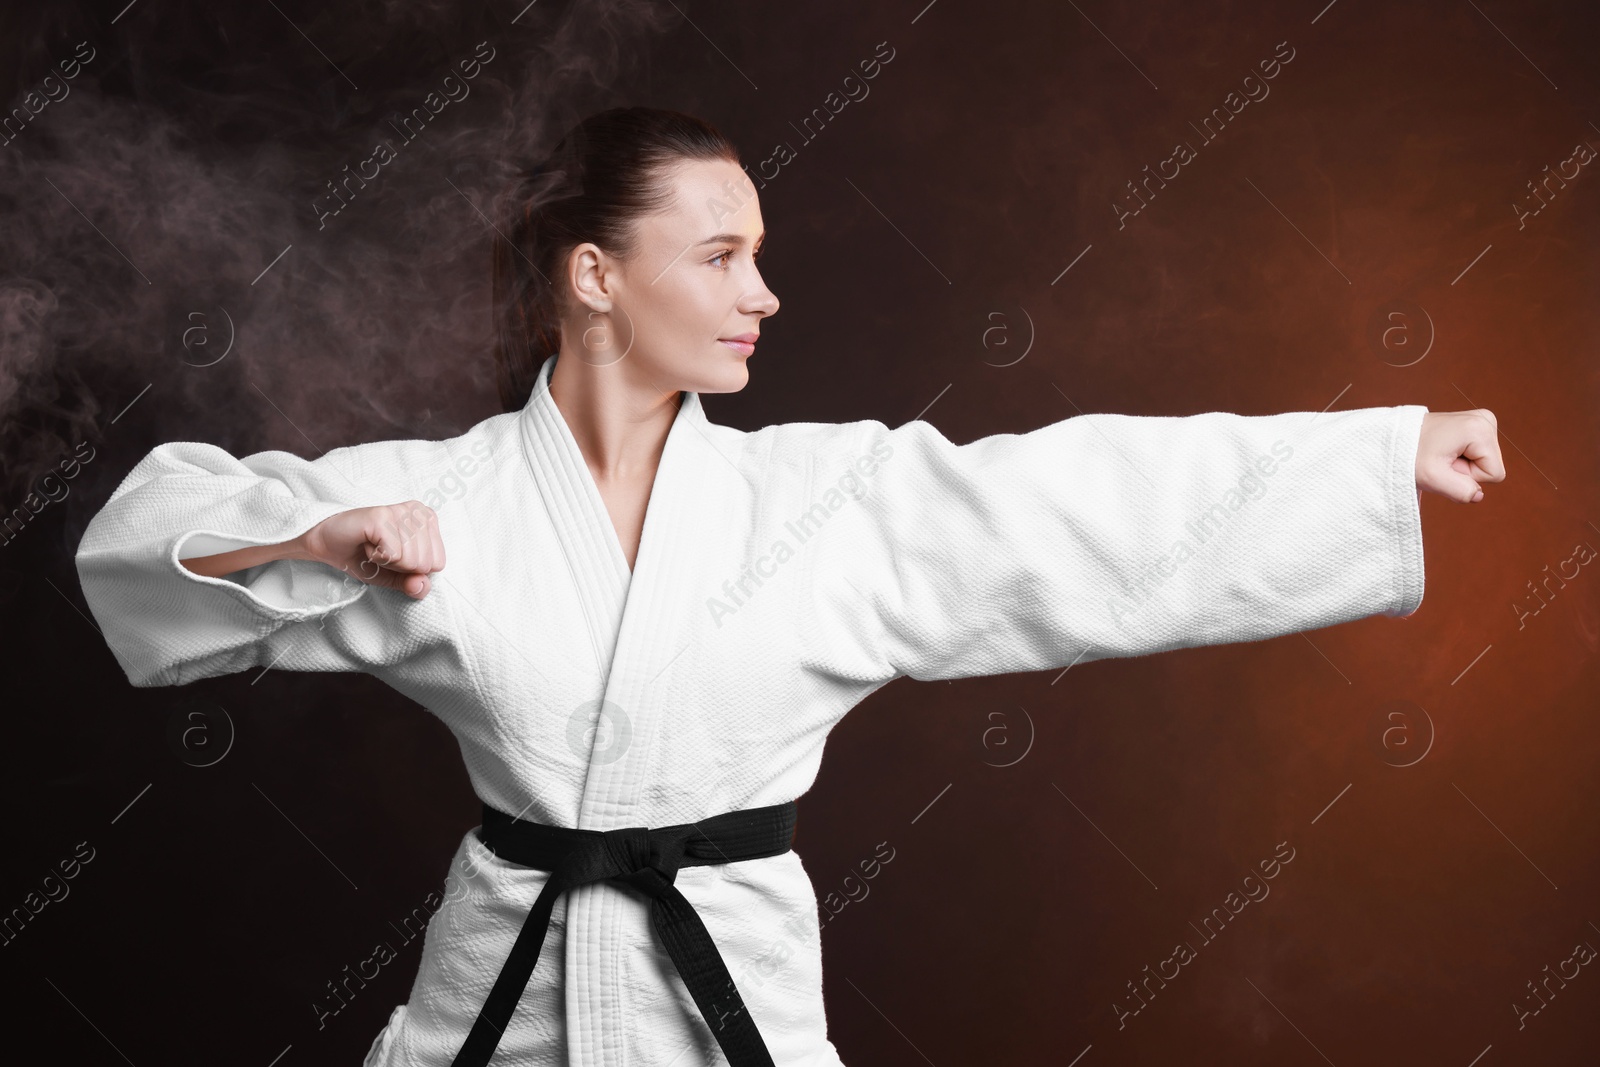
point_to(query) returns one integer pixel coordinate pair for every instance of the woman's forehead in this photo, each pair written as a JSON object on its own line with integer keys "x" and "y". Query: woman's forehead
{"x": 711, "y": 197}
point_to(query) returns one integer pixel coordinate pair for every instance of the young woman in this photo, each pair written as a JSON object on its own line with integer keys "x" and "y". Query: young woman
{"x": 648, "y": 623}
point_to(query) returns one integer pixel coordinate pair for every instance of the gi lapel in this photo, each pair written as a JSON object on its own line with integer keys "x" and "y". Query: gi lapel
{"x": 680, "y": 529}
{"x": 589, "y": 543}
{"x": 637, "y": 623}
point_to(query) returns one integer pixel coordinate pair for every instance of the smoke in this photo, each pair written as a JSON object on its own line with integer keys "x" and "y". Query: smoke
{"x": 170, "y": 239}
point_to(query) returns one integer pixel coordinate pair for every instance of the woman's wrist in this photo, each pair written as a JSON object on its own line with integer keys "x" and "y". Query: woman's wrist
{"x": 238, "y": 559}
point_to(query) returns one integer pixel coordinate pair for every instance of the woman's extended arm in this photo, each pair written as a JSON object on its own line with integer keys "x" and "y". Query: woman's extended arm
{"x": 1109, "y": 535}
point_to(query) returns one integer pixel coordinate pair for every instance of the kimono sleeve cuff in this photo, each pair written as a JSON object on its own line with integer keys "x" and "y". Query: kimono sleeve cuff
{"x": 1409, "y": 578}
{"x": 286, "y": 590}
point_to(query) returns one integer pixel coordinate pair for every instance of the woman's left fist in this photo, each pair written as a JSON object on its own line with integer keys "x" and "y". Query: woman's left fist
{"x": 1456, "y": 451}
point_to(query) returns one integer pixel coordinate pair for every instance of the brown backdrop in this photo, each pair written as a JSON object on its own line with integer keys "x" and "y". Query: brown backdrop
{"x": 1357, "y": 230}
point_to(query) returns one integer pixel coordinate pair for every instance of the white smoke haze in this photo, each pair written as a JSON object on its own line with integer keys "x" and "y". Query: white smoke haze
{"x": 159, "y": 227}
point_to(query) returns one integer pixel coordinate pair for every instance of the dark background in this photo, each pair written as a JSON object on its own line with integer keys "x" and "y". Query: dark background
{"x": 917, "y": 242}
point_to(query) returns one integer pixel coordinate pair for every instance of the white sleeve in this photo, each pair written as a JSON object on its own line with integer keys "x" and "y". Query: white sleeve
{"x": 1106, "y": 535}
{"x": 167, "y": 625}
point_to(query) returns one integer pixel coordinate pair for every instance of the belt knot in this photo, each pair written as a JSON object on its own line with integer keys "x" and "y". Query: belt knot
{"x": 643, "y": 858}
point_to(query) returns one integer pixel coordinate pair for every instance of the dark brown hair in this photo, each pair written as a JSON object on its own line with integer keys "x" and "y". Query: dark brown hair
{"x": 600, "y": 178}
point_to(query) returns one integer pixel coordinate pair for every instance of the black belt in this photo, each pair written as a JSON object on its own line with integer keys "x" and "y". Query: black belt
{"x": 648, "y": 860}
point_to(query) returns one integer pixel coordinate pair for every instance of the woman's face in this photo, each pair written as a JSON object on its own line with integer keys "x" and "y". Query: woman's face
{"x": 666, "y": 313}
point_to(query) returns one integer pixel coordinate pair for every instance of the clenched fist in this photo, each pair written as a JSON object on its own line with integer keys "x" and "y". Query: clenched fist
{"x": 1456, "y": 451}
{"x": 393, "y": 545}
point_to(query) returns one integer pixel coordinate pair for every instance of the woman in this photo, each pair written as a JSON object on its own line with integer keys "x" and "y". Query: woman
{"x": 648, "y": 620}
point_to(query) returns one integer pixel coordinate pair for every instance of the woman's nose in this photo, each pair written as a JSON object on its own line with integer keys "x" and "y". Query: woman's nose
{"x": 765, "y": 302}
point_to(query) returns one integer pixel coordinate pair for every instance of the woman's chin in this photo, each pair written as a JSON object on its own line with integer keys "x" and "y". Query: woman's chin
{"x": 730, "y": 377}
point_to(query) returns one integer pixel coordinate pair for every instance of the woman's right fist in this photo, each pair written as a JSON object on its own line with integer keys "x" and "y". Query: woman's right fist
{"x": 392, "y": 545}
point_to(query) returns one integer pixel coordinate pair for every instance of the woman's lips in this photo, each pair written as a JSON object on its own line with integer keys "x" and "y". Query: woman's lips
{"x": 744, "y": 344}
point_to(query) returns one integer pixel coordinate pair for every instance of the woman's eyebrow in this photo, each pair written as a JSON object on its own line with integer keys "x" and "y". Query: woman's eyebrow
{"x": 730, "y": 239}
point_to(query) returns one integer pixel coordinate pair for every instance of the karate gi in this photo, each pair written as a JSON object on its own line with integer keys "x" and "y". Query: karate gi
{"x": 783, "y": 576}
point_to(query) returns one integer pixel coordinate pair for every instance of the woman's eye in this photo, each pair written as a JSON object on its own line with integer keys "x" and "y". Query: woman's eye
{"x": 721, "y": 255}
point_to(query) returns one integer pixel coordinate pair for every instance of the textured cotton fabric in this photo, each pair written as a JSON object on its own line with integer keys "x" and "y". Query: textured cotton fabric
{"x": 783, "y": 576}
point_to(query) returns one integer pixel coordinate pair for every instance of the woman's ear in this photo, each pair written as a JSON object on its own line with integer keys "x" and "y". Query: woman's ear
{"x": 587, "y": 275}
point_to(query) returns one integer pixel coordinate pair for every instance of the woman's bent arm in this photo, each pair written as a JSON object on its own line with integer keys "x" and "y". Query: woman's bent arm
{"x": 215, "y": 566}
{"x": 286, "y": 600}
{"x": 393, "y": 545}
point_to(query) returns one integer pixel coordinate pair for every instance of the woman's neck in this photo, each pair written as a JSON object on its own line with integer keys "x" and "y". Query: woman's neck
{"x": 620, "y": 422}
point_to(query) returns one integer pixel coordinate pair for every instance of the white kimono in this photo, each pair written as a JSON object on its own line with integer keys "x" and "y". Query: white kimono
{"x": 782, "y": 577}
